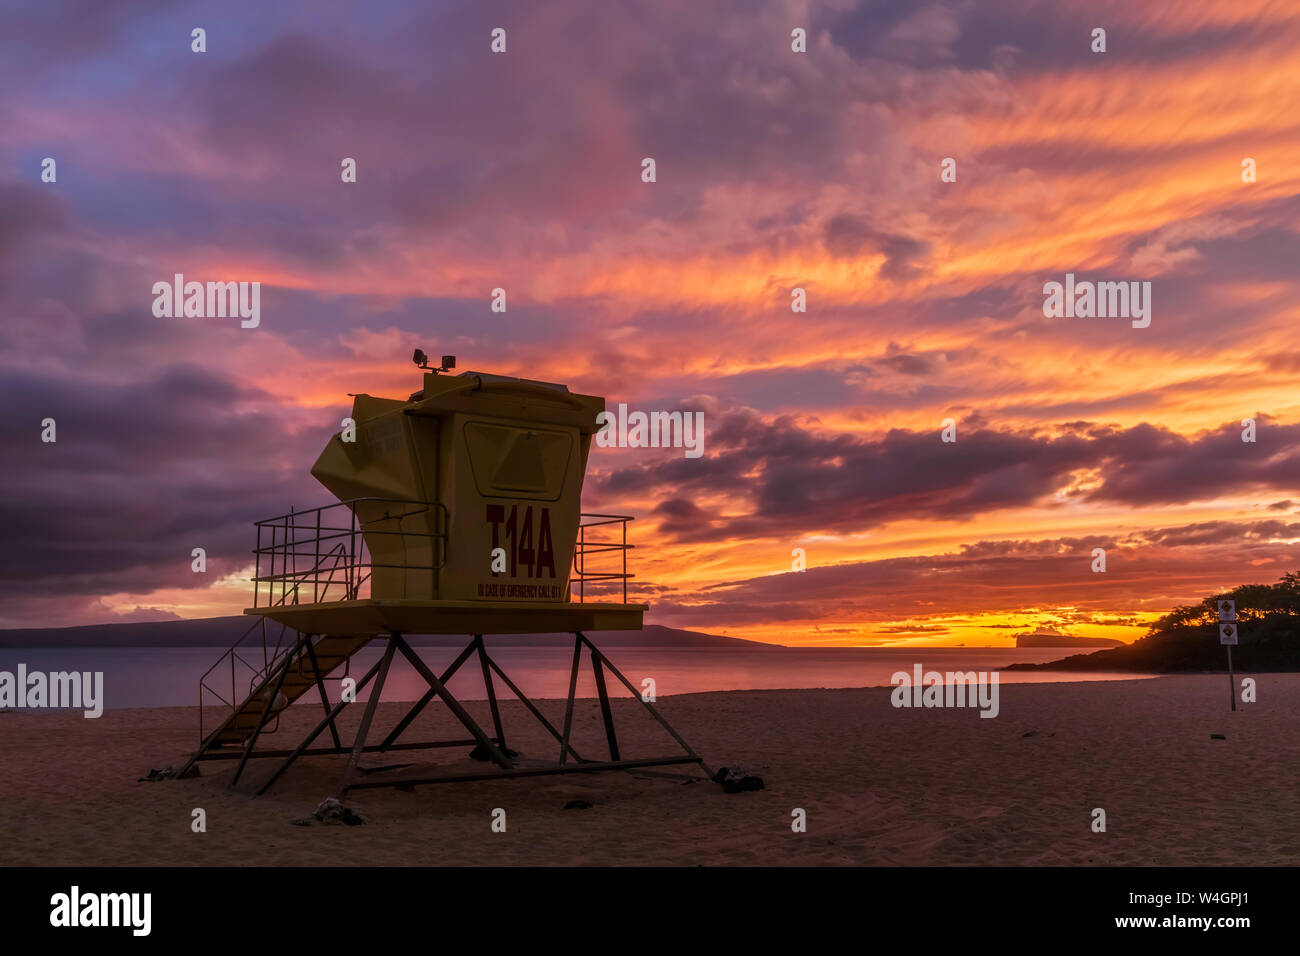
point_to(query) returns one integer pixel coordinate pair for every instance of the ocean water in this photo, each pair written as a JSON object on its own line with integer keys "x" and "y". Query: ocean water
{"x": 169, "y": 677}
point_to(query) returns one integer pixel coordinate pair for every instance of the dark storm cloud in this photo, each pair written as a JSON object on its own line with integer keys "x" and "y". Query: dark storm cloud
{"x": 910, "y": 363}
{"x": 141, "y": 474}
{"x": 28, "y": 212}
{"x": 795, "y": 480}
{"x": 1223, "y": 533}
{"x": 848, "y": 236}
{"x": 1009, "y": 35}
{"x": 28, "y": 216}
{"x": 56, "y": 33}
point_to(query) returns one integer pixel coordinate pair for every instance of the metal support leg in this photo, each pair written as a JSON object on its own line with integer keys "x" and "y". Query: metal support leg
{"x": 491, "y": 691}
{"x": 605, "y": 711}
{"x": 368, "y": 716}
{"x": 648, "y": 706}
{"x": 505, "y": 679}
{"x": 320, "y": 685}
{"x": 568, "y": 706}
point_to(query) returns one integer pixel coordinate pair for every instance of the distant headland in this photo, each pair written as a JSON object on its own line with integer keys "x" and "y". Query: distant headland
{"x": 1187, "y": 638}
{"x": 1050, "y": 638}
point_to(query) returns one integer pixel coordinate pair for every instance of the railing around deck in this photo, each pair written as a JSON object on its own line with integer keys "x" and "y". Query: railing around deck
{"x": 320, "y": 555}
{"x": 302, "y": 555}
{"x": 604, "y": 542}
{"x": 248, "y": 659}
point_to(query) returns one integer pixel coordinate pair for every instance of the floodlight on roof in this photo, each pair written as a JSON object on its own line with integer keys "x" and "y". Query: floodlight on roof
{"x": 421, "y": 360}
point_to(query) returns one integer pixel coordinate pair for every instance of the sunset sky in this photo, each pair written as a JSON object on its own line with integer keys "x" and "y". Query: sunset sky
{"x": 775, "y": 170}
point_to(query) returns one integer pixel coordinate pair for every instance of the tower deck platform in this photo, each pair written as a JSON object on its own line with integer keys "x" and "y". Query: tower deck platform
{"x": 410, "y": 616}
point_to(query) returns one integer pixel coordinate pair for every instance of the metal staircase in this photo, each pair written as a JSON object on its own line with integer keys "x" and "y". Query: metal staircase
{"x": 307, "y": 663}
{"x": 242, "y": 656}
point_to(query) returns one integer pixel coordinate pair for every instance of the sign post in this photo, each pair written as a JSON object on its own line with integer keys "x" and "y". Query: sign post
{"x": 1228, "y": 637}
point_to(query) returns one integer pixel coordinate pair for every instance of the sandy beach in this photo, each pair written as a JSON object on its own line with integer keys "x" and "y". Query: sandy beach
{"x": 881, "y": 786}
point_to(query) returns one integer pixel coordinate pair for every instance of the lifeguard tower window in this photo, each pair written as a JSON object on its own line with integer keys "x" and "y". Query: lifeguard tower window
{"x": 518, "y": 462}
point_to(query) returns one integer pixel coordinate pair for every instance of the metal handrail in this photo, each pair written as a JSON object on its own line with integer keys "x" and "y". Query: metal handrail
{"x": 301, "y": 535}
{"x": 335, "y": 556}
{"x": 270, "y": 658}
{"x": 584, "y": 549}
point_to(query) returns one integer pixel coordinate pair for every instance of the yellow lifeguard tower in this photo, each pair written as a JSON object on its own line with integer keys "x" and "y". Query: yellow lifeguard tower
{"x": 458, "y": 513}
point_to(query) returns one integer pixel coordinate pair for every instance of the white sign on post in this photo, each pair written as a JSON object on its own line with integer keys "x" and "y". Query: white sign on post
{"x": 1228, "y": 636}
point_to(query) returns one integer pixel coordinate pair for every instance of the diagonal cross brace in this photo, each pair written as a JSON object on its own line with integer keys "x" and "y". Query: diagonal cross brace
{"x": 452, "y": 703}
